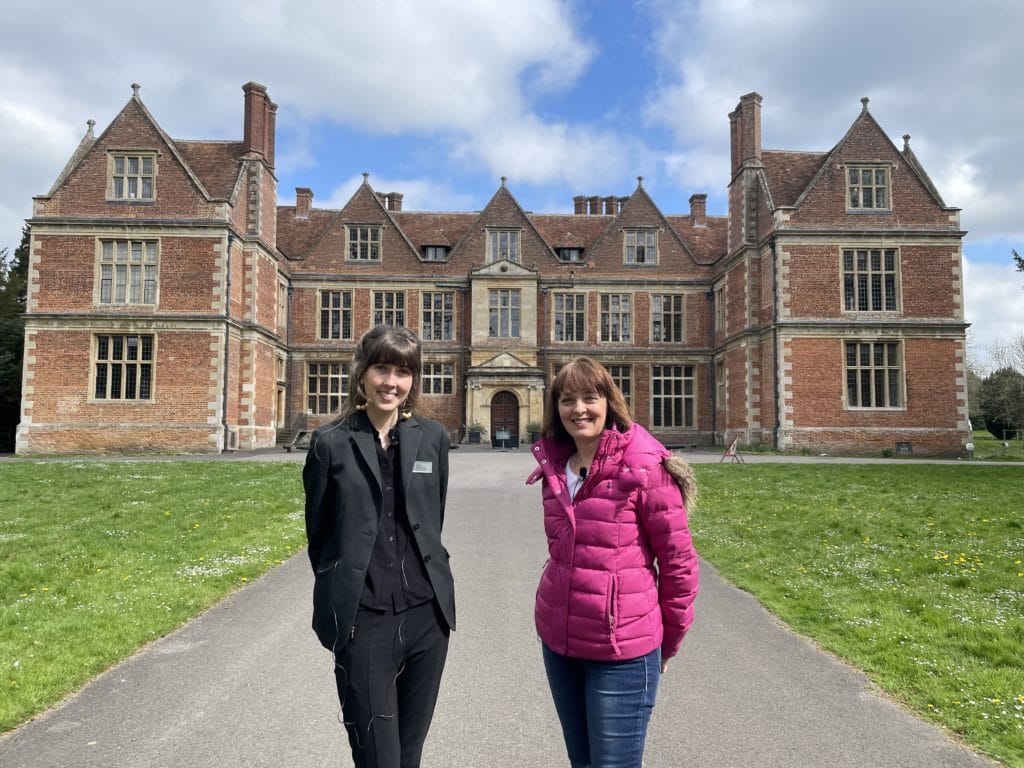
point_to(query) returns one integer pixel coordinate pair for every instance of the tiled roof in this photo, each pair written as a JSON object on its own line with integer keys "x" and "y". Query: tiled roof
{"x": 789, "y": 173}
{"x": 423, "y": 228}
{"x": 296, "y": 237}
{"x": 708, "y": 243}
{"x": 215, "y": 163}
{"x": 570, "y": 230}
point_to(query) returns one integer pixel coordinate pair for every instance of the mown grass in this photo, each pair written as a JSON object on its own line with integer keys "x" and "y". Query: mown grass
{"x": 990, "y": 448}
{"x": 913, "y": 573}
{"x": 99, "y": 558}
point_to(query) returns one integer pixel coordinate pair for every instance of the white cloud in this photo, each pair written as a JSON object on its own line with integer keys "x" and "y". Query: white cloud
{"x": 417, "y": 194}
{"x": 453, "y": 71}
{"x": 994, "y": 305}
{"x": 953, "y": 88}
{"x": 533, "y": 152}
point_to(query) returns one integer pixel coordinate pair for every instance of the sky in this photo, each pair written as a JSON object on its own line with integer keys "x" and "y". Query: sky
{"x": 439, "y": 99}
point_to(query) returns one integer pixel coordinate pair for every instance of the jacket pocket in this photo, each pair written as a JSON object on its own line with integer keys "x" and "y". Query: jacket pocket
{"x": 612, "y": 599}
{"x": 611, "y": 610}
{"x": 327, "y": 567}
{"x": 324, "y": 619}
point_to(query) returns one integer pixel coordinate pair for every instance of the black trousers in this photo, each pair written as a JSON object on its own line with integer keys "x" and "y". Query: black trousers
{"x": 388, "y": 676}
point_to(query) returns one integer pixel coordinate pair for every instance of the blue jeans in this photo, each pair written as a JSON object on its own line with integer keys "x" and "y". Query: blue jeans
{"x": 604, "y": 707}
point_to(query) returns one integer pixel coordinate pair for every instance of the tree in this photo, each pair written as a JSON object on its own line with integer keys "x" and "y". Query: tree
{"x": 1018, "y": 259}
{"x": 13, "y": 292}
{"x": 1008, "y": 354}
{"x": 1002, "y": 402}
{"x": 975, "y": 373}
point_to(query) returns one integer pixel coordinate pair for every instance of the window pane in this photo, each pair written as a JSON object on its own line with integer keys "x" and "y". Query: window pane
{"x": 101, "y": 381}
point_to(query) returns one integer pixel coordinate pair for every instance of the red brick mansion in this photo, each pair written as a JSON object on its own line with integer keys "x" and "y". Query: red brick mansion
{"x": 175, "y": 306}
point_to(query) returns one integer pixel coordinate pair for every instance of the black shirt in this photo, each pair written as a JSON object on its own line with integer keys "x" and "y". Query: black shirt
{"x": 396, "y": 578}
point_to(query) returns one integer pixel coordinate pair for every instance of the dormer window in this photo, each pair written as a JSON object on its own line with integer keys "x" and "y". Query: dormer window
{"x": 569, "y": 254}
{"x": 435, "y": 253}
{"x": 641, "y": 246}
{"x": 132, "y": 176}
{"x": 867, "y": 188}
{"x": 503, "y": 244}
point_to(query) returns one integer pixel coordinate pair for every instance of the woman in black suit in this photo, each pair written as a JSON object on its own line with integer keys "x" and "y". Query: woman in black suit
{"x": 383, "y": 600}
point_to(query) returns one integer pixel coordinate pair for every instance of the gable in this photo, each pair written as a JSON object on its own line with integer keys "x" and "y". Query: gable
{"x": 502, "y": 213}
{"x": 503, "y": 268}
{"x": 910, "y": 192}
{"x": 505, "y": 360}
{"x": 84, "y": 188}
{"x": 323, "y": 240}
{"x": 640, "y": 213}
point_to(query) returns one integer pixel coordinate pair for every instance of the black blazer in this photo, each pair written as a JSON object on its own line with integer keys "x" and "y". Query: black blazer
{"x": 343, "y": 499}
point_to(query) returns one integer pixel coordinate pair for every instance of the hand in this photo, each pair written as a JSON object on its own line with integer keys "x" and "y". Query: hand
{"x": 664, "y": 666}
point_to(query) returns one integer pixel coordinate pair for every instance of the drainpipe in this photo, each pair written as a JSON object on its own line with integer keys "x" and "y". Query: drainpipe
{"x": 775, "y": 340}
{"x": 288, "y": 396}
{"x": 544, "y": 335}
{"x": 227, "y": 345}
{"x": 714, "y": 365}
{"x": 466, "y": 343}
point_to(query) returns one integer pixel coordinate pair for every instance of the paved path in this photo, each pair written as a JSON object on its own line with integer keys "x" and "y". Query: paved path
{"x": 247, "y": 685}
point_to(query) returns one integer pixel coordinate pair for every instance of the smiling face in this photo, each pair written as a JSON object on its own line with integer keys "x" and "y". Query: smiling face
{"x": 600, "y": 403}
{"x": 583, "y": 415}
{"x": 386, "y": 387}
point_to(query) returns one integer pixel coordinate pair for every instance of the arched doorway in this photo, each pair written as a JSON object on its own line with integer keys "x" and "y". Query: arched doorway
{"x": 505, "y": 419}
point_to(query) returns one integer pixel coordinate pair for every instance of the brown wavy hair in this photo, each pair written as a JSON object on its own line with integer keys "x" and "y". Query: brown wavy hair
{"x": 584, "y": 375}
{"x": 388, "y": 344}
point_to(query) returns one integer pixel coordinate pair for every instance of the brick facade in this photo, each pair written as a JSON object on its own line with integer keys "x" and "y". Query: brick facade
{"x": 239, "y": 329}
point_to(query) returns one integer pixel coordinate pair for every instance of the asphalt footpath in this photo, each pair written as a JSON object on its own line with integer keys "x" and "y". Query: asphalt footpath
{"x": 247, "y": 684}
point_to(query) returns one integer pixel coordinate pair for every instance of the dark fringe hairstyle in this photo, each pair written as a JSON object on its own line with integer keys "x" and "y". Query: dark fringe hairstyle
{"x": 388, "y": 344}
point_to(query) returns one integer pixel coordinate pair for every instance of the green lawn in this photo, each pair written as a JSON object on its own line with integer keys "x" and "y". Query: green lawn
{"x": 913, "y": 573}
{"x": 990, "y": 448}
{"x": 99, "y": 558}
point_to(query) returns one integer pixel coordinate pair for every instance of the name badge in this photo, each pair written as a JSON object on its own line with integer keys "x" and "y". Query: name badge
{"x": 423, "y": 467}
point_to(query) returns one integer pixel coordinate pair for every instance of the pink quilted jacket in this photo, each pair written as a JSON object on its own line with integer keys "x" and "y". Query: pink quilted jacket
{"x": 622, "y": 573}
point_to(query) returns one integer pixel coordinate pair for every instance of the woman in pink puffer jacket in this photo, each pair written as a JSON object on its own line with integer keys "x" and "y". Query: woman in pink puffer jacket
{"x": 616, "y": 595}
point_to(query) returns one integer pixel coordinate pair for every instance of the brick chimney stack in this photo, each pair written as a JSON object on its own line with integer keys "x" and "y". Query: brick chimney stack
{"x": 303, "y": 202}
{"x": 745, "y": 131}
{"x": 699, "y": 210}
{"x": 260, "y": 122}
{"x": 271, "y": 131}
{"x": 392, "y": 201}
{"x": 579, "y": 205}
